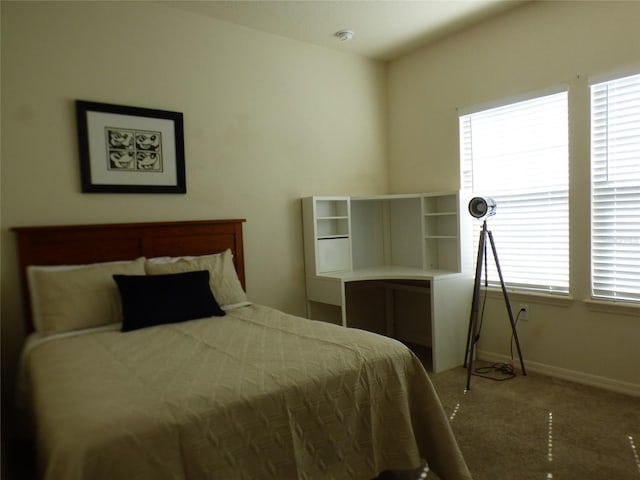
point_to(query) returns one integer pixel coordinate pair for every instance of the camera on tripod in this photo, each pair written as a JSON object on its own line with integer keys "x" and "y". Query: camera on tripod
{"x": 482, "y": 207}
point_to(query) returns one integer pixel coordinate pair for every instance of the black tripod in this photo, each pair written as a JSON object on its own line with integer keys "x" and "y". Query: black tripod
{"x": 472, "y": 336}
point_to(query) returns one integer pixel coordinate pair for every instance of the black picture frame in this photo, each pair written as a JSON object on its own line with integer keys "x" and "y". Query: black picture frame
{"x": 125, "y": 149}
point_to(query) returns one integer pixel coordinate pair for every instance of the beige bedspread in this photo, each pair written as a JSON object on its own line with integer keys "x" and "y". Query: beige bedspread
{"x": 256, "y": 394}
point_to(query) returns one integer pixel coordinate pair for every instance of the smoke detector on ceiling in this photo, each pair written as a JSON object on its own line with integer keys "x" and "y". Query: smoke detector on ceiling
{"x": 344, "y": 35}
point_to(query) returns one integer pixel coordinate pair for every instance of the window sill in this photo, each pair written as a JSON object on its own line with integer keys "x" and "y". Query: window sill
{"x": 619, "y": 308}
{"x": 532, "y": 297}
{"x": 604, "y": 306}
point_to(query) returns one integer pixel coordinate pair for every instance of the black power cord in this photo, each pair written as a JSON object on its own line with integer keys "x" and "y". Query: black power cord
{"x": 501, "y": 368}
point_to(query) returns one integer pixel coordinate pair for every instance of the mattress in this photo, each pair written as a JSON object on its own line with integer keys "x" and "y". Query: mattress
{"x": 256, "y": 394}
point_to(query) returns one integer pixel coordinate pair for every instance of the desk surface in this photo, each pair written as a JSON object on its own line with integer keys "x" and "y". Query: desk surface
{"x": 390, "y": 272}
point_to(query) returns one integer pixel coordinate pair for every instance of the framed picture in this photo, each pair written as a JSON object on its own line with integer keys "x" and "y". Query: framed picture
{"x": 129, "y": 149}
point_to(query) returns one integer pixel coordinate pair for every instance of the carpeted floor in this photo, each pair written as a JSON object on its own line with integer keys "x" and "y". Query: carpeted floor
{"x": 537, "y": 427}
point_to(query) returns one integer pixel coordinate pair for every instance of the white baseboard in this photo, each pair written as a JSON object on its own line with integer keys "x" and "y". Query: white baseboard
{"x": 566, "y": 374}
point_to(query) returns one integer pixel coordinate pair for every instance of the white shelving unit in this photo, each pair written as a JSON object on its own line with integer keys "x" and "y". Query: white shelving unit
{"x": 441, "y": 232}
{"x": 392, "y": 264}
{"x": 329, "y": 229}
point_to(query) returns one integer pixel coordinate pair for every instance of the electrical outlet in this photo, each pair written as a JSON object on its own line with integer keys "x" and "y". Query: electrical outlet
{"x": 524, "y": 312}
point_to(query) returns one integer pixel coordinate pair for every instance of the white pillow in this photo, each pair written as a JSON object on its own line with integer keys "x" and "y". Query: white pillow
{"x": 223, "y": 279}
{"x": 74, "y": 297}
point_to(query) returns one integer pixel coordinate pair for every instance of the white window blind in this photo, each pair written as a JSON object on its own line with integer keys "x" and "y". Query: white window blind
{"x": 615, "y": 189}
{"x": 518, "y": 155}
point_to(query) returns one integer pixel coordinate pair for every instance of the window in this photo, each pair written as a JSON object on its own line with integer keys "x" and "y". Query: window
{"x": 615, "y": 189}
{"x": 517, "y": 154}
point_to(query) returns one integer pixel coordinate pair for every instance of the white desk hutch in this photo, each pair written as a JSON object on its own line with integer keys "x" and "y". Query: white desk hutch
{"x": 392, "y": 264}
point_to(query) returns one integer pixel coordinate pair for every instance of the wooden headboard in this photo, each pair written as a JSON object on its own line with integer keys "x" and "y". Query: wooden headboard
{"x": 83, "y": 244}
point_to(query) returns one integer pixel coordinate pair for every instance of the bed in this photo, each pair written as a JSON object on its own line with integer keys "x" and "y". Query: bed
{"x": 140, "y": 378}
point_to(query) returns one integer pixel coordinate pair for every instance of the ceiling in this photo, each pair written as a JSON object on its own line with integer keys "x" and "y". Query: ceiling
{"x": 382, "y": 29}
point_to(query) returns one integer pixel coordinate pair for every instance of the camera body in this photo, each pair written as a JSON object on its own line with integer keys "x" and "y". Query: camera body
{"x": 482, "y": 207}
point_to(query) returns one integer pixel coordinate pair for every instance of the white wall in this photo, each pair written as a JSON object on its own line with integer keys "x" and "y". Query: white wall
{"x": 530, "y": 48}
{"x": 266, "y": 121}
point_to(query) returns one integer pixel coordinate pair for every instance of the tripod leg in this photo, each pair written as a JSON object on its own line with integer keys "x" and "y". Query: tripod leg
{"x": 473, "y": 318}
{"x": 507, "y": 302}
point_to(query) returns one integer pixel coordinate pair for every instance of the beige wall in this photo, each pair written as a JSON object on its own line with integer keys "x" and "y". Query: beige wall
{"x": 266, "y": 121}
{"x": 531, "y": 48}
